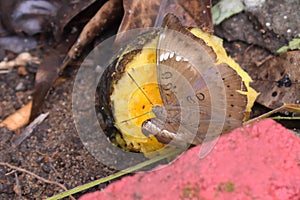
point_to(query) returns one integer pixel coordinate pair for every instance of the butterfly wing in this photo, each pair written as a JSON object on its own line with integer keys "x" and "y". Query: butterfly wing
{"x": 199, "y": 96}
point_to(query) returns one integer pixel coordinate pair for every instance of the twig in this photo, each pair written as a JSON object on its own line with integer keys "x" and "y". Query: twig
{"x": 29, "y": 129}
{"x": 35, "y": 176}
{"x": 17, "y": 188}
{"x": 9, "y": 173}
{"x": 286, "y": 106}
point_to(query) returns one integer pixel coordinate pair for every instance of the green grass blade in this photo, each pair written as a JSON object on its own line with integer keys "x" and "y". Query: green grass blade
{"x": 116, "y": 175}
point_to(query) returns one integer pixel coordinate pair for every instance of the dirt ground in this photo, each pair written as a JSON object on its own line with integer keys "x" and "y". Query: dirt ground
{"x": 54, "y": 151}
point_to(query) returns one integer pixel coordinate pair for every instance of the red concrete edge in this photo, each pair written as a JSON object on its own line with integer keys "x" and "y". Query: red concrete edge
{"x": 257, "y": 161}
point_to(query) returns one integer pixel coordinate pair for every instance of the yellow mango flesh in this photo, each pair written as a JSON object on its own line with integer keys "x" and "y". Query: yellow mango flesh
{"x": 132, "y": 100}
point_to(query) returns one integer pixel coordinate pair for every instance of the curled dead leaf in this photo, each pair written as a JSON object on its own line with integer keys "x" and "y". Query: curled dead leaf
{"x": 46, "y": 75}
{"x": 18, "y": 119}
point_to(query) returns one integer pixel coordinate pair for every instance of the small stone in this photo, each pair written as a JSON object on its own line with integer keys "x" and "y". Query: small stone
{"x": 20, "y": 87}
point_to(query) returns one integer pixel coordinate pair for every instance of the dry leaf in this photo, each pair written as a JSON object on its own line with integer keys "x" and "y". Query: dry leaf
{"x": 199, "y": 12}
{"x": 18, "y": 119}
{"x": 278, "y": 80}
{"x": 141, "y": 14}
{"x": 47, "y": 73}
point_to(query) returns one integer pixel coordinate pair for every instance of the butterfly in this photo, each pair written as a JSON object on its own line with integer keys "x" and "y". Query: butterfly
{"x": 201, "y": 97}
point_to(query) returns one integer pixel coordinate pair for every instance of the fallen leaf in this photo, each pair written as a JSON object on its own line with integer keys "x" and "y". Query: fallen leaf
{"x": 139, "y": 14}
{"x": 142, "y": 14}
{"x": 197, "y": 13}
{"x": 278, "y": 80}
{"x": 47, "y": 73}
{"x": 226, "y": 8}
{"x": 293, "y": 45}
{"x": 18, "y": 119}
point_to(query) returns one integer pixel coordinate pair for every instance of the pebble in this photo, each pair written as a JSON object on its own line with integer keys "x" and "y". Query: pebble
{"x": 20, "y": 87}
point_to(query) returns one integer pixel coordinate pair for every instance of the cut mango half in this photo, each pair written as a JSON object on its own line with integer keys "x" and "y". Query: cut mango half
{"x": 133, "y": 97}
{"x": 136, "y": 92}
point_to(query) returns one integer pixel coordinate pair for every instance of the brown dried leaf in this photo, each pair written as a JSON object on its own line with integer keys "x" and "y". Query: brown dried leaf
{"x": 141, "y": 14}
{"x": 47, "y": 73}
{"x": 278, "y": 80}
{"x": 18, "y": 119}
{"x": 195, "y": 13}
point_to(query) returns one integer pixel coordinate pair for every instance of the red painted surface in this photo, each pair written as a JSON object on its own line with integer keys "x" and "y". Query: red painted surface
{"x": 259, "y": 161}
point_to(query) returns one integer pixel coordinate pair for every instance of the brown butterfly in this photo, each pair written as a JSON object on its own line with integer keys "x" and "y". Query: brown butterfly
{"x": 200, "y": 98}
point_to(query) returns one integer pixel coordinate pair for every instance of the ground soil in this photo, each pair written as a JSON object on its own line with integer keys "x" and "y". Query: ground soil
{"x": 54, "y": 150}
